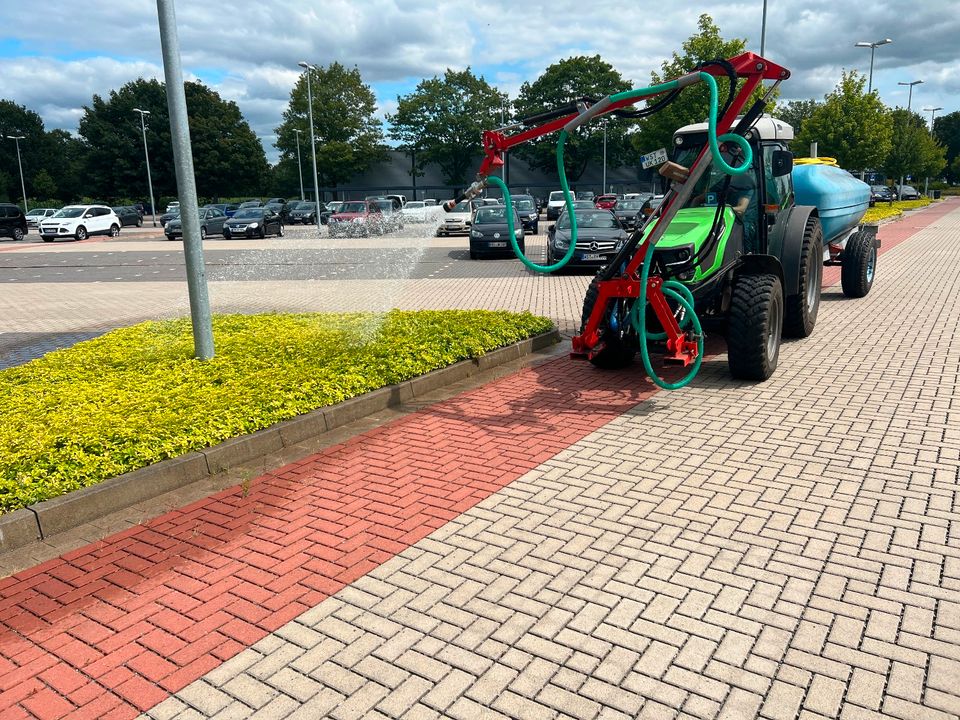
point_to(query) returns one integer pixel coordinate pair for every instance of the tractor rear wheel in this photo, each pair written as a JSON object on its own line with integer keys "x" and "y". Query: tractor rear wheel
{"x": 859, "y": 264}
{"x": 800, "y": 313}
{"x": 618, "y": 350}
{"x": 755, "y": 326}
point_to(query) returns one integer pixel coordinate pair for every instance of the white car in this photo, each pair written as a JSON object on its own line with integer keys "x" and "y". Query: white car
{"x": 80, "y": 222}
{"x": 37, "y": 214}
{"x": 458, "y": 220}
{"x": 555, "y": 204}
{"x": 173, "y": 207}
{"x": 417, "y": 211}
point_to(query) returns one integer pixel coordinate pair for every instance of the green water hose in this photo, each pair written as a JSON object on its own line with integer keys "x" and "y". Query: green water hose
{"x": 677, "y": 291}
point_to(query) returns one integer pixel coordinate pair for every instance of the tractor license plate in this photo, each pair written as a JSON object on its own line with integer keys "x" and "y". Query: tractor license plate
{"x": 498, "y": 244}
{"x": 591, "y": 256}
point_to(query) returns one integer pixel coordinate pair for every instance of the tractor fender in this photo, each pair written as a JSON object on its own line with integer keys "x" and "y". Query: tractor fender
{"x": 786, "y": 243}
{"x": 758, "y": 264}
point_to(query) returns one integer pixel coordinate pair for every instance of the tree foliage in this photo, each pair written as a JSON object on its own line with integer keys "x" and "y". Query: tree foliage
{"x": 946, "y": 129}
{"x": 693, "y": 103}
{"x": 349, "y": 138}
{"x": 914, "y": 151}
{"x": 795, "y": 113}
{"x": 228, "y": 158}
{"x": 443, "y": 119}
{"x": 851, "y": 125}
{"x": 561, "y": 83}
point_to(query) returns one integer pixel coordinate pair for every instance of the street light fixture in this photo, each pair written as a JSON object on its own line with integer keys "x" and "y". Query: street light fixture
{"x": 932, "y": 111}
{"x": 299, "y": 166}
{"x": 143, "y": 129}
{"x": 23, "y": 188}
{"x": 604, "y": 187}
{"x": 909, "y": 101}
{"x": 873, "y": 47}
{"x": 313, "y": 143}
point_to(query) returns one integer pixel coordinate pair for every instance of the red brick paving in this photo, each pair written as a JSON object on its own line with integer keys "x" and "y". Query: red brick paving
{"x": 114, "y": 627}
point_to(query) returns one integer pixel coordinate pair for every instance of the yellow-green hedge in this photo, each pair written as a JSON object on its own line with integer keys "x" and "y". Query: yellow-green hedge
{"x": 136, "y": 396}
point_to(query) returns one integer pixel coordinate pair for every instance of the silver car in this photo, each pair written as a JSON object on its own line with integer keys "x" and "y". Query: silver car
{"x": 211, "y": 223}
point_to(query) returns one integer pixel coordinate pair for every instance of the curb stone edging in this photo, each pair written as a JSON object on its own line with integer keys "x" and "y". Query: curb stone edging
{"x": 36, "y": 522}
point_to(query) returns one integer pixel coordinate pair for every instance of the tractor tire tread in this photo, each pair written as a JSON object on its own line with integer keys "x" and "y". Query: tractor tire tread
{"x": 615, "y": 354}
{"x": 798, "y": 320}
{"x": 853, "y": 269}
{"x": 750, "y": 306}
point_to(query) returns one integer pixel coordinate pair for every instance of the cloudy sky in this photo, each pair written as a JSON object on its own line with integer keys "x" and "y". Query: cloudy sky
{"x": 55, "y": 54}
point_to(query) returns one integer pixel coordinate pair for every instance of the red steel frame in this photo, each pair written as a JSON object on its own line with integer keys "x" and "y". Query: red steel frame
{"x": 680, "y": 347}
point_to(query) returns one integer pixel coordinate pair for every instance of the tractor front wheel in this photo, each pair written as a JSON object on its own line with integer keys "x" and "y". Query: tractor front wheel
{"x": 618, "y": 348}
{"x": 859, "y": 264}
{"x": 755, "y": 326}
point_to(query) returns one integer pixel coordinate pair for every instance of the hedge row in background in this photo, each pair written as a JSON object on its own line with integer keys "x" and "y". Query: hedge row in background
{"x": 882, "y": 211}
{"x": 136, "y": 396}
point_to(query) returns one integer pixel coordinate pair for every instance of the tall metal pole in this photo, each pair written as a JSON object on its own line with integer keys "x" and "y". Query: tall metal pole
{"x": 603, "y": 189}
{"x": 143, "y": 128}
{"x": 926, "y": 180}
{"x": 23, "y": 188}
{"x": 763, "y": 29}
{"x": 299, "y": 166}
{"x": 873, "y": 48}
{"x": 313, "y": 142}
{"x": 909, "y": 102}
{"x": 186, "y": 182}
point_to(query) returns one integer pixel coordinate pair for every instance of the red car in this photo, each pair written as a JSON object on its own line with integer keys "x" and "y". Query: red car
{"x": 606, "y": 202}
{"x": 356, "y": 218}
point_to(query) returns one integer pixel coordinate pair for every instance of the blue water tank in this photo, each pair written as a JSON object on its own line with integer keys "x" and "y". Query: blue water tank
{"x": 840, "y": 198}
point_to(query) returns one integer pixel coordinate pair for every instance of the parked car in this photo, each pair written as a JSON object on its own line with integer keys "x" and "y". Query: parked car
{"x": 555, "y": 204}
{"x": 430, "y": 201}
{"x": 526, "y": 208}
{"x": 168, "y": 216}
{"x": 250, "y": 204}
{"x": 398, "y": 200}
{"x": 605, "y": 202}
{"x": 253, "y": 222}
{"x": 37, "y": 214}
{"x": 391, "y": 215}
{"x": 80, "y": 222}
{"x": 332, "y": 207}
{"x": 418, "y": 211}
{"x": 128, "y": 216}
{"x": 359, "y": 218}
{"x": 881, "y": 193}
{"x": 599, "y": 237}
{"x": 172, "y": 207}
{"x": 211, "y": 223}
{"x": 585, "y": 195}
{"x": 907, "y": 192}
{"x": 459, "y": 219}
{"x": 306, "y": 213}
{"x": 12, "y": 221}
{"x": 280, "y": 209}
{"x": 227, "y": 209}
{"x": 490, "y": 234}
{"x": 276, "y": 201}
{"x": 629, "y": 212}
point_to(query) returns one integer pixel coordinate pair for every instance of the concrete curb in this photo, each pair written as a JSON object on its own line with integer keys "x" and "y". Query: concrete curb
{"x": 49, "y": 517}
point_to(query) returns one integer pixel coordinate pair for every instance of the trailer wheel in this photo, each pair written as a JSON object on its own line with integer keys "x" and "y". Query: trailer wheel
{"x": 858, "y": 265}
{"x": 800, "y": 312}
{"x": 755, "y": 326}
{"x": 618, "y": 350}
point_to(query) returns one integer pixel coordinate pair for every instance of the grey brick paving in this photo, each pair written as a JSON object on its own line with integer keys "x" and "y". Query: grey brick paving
{"x": 780, "y": 550}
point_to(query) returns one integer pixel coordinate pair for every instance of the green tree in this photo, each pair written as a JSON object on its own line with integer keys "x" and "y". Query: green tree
{"x": 914, "y": 151}
{"x": 349, "y": 137}
{"x": 228, "y": 158}
{"x": 851, "y": 125}
{"x": 796, "y": 112}
{"x": 44, "y": 187}
{"x": 442, "y": 121}
{"x": 561, "y": 83}
{"x": 18, "y": 120}
{"x": 693, "y": 103}
{"x": 946, "y": 129}
{"x": 65, "y": 164}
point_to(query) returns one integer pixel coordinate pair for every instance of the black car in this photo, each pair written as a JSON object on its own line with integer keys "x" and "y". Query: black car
{"x": 280, "y": 209}
{"x": 168, "y": 216}
{"x": 12, "y": 221}
{"x": 305, "y": 212}
{"x": 599, "y": 237}
{"x": 527, "y": 209}
{"x": 128, "y": 216}
{"x": 880, "y": 193}
{"x": 489, "y": 233}
{"x": 630, "y": 212}
{"x": 907, "y": 192}
{"x": 211, "y": 223}
{"x": 227, "y": 209}
{"x": 253, "y": 222}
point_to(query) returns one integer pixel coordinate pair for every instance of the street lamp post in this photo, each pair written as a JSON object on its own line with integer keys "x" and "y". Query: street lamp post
{"x": 146, "y": 153}
{"x": 873, "y": 47}
{"x": 926, "y": 180}
{"x": 313, "y": 143}
{"x": 299, "y": 166}
{"x": 23, "y": 188}
{"x": 909, "y": 102}
{"x": 603, "y": 190}
{"x": 763, "y": 29}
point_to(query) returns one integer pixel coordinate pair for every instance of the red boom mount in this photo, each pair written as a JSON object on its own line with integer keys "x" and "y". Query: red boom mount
{"x": 681, "y": 346}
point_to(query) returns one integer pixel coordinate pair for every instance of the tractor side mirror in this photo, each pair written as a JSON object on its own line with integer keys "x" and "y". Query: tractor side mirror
{"x": 782, "y": 162}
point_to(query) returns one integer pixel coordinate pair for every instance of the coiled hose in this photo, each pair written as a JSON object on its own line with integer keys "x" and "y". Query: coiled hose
{"x": 672, "y": 289}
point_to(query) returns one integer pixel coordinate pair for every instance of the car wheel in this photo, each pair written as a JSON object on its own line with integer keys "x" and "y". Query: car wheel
{"x": 81, "y": 233}
{"x": 263, "y": 232}
{"x": 473, "y": 255}
{"x": 226, "y": 234}
{"x": 47, "y": 239}
{"x": 18, "y": 234}
{"x": 139, "y": 222}
{"x": 536, "y": 228}
{"x": 203, "y": 232}
{"x": 280, "y": 230}
{"x": 114, "y": 230}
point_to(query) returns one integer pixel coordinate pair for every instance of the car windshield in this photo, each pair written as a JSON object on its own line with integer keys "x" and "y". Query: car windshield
{"x": 492, "y": 215}
{"x": 629, "y": 204}
{"x": 384, "y": 205}
{"x": 556, "y": 195}
{"x": 589, "y": 220}
{"x": 462, "y": 207}
{"x": 70, "y": 212}
{"x": 244, "y": 213}
{"x": 34, "y": 212}
{"x": 353, "y": 207}
{"x": 249, "y": 204}
{"x": 305, "y": 206}
{"x": 335, "y": 205}
{"x": 524, "y": 204}
{"x": 413, "y": 205}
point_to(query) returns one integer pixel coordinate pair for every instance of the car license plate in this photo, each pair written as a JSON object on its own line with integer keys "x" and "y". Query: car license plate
{"x": 498, "y": 244}
{"x": 592, "y": 256}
